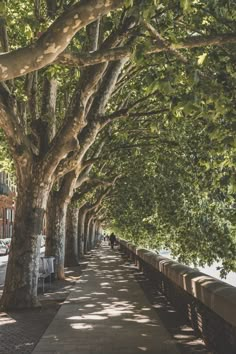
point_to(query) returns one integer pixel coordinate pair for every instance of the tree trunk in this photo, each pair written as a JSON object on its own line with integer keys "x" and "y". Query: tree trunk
{"x": 56, "y": 222}
{"x": 92, "y": 228}
{"x": 71, "y": 251}
{"x": 90, "y": 231}
{"x": 20, "y": 290}
{"x": 48, "y": 111}
{"x": 87, "y": 232}
{"x": 95, "y": 240}
{"x": 99, "y": 231}
{"x": 55, "y": 231}
{"x": 95, "y": 233}
{"x": 81, "y": 235}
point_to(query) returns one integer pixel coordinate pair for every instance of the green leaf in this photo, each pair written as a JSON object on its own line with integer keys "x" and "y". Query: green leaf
{"x": 153, "y": 87}
{"x": 148, "y": 12}
{"x": 129, "y": 3}
{"x": 232, "y": 186}
{"x": 186, "y": 5}
{"x": 201, "y": 58}
{"x": 3, "y": 8}
{"x": 28, "y": 32}
{"x": 165, "y": 86}
{"x": 139, "y": 53}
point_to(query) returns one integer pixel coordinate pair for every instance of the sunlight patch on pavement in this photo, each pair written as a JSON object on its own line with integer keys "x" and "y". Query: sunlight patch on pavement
{"x": 87, "y": 317}
{"x": 81, "y": 326}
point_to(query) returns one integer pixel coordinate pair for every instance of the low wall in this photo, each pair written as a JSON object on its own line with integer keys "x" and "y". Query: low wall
{"x": 209, "y": 304}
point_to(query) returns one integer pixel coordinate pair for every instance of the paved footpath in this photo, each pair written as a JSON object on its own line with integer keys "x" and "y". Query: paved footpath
{"x": 106, "y": 313}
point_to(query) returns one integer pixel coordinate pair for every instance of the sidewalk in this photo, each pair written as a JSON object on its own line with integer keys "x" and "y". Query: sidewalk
{"x": 20, "y": 330}
{"x": 107, "y": 313}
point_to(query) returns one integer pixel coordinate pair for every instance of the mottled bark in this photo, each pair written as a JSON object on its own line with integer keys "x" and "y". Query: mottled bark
{"x": 55, "y": 245}
{"x": 51, "y": 8}
{"x": 48, "y": 111}
{"x": 53, "y": 42}
{"x": 114, "y": 54}
{"x": 56, "y": 221}
{"x": 99, "y": 231}
{"x": 88, "y": 220}
{"x": 90, "y": 231}
{"x": 86, "y": 240}
{"x": 71, "y": 251}
{"x": 20, "y": 290}
{"x": 55, "y": 231}
{"x": 32, "y": 95}
{"x": 23, "y": 292}
{"x": 81, "y": 235}
{"x": 3, "y": 35}
{"x": 93, "y": 233}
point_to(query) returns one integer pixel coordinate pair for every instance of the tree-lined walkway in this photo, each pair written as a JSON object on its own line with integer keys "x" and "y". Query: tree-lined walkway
{"x": 133, "y": 130}
{"x": 107, "y": 313}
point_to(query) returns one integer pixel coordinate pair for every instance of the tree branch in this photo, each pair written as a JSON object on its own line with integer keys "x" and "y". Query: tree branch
{"x": 124, "y": 113}
{"x": 19, "y": 144}
{"x": 101, "y": 56}
{"x": 88, "y": 59}
{"x": 167, "y": 46}
{"x": 66, "y": 139}
{"x": 100, "y": 199}
{"x": 84, "y": 175}
{"x": 53, "y": 42}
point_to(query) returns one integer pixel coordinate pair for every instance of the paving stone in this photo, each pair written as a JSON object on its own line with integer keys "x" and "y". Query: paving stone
{"x": 113, "y": 309}
{"x": 21, "y": 330}
{"x": 107, "y": 313}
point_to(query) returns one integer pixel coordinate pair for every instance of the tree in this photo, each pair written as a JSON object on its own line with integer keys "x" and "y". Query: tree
{"x": 91, "y": 98}
{"x": 55, "y": 39}
{"x": 37, "y": 160}
{"x": 176, "y": 191}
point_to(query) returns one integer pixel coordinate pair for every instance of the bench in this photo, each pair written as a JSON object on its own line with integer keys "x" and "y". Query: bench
{"x": 46, "y": 268}
{"x": 43, "y": 276}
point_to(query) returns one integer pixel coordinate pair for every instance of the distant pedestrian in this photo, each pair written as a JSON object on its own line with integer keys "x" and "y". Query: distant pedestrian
{"x": 112, "y": 240}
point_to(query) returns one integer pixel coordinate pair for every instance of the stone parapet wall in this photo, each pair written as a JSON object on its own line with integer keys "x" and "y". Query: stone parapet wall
{"x": 209, "y": 304}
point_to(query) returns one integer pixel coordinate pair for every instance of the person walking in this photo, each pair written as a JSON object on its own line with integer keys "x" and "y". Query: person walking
{"x": 112, "y": 240}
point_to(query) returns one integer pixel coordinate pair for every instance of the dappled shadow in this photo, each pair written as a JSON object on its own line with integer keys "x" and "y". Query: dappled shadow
{"x": 107, "y": 306}
{"x": 59, "y": 289}
{"x": 21, "y": 330}
{"x": 176, "y": 323}
{"x": 105, "y": 313}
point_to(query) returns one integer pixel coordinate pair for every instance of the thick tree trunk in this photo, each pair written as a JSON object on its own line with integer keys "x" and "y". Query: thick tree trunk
{"x": 99, "y": 231}
{"x": 87, "y": 232}
{"x": 81, "y": 235}
{"x": 71, "y": 251}
{"x": 95, "y": 229}
{"x": 56, "y": 222}
{"x": 92, "y": 233}
{"x": 85, "y": 235}
{"x": 95, "y": 233}
{"x": 20, "y": 290}
{"x": 55, "y": 231}
{"x": 48, "y": 111}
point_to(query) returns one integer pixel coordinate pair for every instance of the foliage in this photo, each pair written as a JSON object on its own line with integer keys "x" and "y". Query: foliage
{"x": 6, "y": 163}
{"x": 178, "y": 185}
{"x": 176, "y": 153}
{"x": 167, "y": 199}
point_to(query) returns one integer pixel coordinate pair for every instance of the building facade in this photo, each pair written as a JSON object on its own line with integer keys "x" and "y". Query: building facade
{"x": 7, "y": 204}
